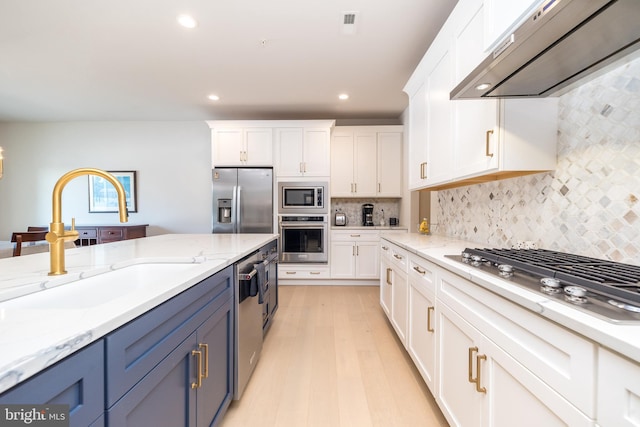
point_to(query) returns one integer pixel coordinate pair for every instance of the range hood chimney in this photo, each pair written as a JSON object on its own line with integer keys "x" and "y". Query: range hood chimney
{"x": 560, "y": 43}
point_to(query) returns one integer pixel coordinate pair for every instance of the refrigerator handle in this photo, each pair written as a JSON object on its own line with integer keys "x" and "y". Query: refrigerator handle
{"x": 238, "y": 208}
{"x": 234, "y": 206}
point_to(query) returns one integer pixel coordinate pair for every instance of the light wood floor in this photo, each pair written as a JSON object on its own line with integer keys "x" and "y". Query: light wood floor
{"x": 332, "y": 359}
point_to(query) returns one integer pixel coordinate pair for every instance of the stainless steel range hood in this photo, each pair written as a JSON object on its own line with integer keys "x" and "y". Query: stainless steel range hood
{"x": 561, "y": 42}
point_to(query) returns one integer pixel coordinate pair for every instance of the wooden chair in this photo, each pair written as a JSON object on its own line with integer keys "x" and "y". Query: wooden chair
{"x": 32, "y": 228}
{"x": 28, "y": 236}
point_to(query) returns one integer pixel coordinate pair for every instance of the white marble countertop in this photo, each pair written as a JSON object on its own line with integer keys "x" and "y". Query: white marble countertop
{"x": 44, "y": 319}
{"x": 622, "y": 338}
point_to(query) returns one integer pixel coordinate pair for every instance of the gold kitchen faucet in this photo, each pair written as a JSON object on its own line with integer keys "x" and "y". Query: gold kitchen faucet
{"x": 57, "y": 235}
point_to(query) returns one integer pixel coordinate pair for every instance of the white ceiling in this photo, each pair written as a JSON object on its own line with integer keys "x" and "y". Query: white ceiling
{"x": 68, "y": 60}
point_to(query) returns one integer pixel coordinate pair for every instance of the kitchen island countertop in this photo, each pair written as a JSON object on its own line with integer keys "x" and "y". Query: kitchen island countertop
{"x": 622, "y": 338}
{"x": 43, "y": 321}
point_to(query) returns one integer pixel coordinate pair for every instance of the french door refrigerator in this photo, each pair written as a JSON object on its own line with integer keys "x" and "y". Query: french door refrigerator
{"x": 242, "y": 200}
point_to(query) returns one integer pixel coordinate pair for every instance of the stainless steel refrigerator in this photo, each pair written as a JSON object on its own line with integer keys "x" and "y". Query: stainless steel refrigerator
{"x": 242, "y": 200}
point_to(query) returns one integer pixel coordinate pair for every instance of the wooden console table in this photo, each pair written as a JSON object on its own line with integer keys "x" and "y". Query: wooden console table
{"x": 97, "y": 234}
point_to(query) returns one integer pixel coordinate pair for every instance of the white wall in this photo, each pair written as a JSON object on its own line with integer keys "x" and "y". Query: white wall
{"x": 172, "y": 161}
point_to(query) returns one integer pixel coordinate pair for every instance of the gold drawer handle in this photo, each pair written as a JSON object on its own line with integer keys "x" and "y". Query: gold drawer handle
{"x": 206, "y": 359}
{"x": 479, "y": 388}
{"x": 419, "y": 270}
{"x": 388, "y": 279}
{"x": 396, "y": 256}
{"x": 429, "y": 326}
{"x": 290, "y": 272}
{"x": 471, "y": 351}
{"x": 314, "y": 272}
{"x": 198, "y": 382}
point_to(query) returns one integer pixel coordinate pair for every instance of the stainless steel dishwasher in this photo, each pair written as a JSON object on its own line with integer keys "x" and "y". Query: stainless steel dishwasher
{"x": 250, "y": 287}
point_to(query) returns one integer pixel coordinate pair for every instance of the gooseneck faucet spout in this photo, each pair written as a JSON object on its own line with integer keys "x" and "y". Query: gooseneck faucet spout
{"x": 57, "y": 235}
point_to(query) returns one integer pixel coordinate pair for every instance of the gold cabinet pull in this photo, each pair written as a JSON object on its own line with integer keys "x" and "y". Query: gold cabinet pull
{"x": 289, "y": 272}
{"x": 357, "y": 250}
{"x": 488, "y": 138}
{"x": 419, "y": 270}
{"x": 314, "y": 272}
{"x": 354, "y": 235}
{"x": 396, "y": 256}
{"x": 385, "y": 248}
{"x": 479, "y": 387}
{"x": 379, "y": 188}
{"x": 198, "y": 355}
{"x": 388, "y": 279}
{"x": 423, "y": 170}
{"x": 353, "y": 250}
{"x": 429, "y": 326}
{"x": 471, "y": 351}
{"x": 205, "y": 347}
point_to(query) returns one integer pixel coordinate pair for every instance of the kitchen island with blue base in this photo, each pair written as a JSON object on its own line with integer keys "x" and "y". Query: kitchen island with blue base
{"x": 139, "y": 333}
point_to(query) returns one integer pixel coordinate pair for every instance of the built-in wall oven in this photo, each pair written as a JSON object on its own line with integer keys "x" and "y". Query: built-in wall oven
{"x": 303, "y": 238}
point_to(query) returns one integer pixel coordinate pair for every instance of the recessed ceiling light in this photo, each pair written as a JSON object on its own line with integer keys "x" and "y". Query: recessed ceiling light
{"x": 483, "y": 86}
{"x": 213, "y": 97}
{"x": 343, "y": 96}
{"x": 187, "y": 21}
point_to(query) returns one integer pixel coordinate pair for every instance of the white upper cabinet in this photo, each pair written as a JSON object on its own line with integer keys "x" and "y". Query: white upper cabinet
{"x": 470, "y": 141}
{"x": 417, "y": 164}
{"x": 239, "y": 144}
{"x": 366, "y": 161}
{"x": 504, "y": 16}
{"x": 497, "y": 136}
{"x": 303, "y": 149}
{"x": 390, "y": 164}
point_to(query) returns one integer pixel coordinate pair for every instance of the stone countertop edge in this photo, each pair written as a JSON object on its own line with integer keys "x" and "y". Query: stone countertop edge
{"x": 621, "y": 338}
{"x": 34, "y": 338}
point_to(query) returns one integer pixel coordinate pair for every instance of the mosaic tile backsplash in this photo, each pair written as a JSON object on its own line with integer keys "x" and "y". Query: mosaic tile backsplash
{"x": 382, "y": 208}
{"x": 589, "y": 205}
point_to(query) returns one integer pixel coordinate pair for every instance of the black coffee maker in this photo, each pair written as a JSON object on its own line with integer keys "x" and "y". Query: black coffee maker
{"x": 367, "y": 215}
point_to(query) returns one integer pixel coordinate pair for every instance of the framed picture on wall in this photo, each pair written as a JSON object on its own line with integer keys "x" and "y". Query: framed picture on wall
{"x": 103, "y": 196}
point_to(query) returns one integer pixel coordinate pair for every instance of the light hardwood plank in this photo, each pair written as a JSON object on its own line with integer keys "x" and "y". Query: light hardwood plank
{"x": 331, "y": 358}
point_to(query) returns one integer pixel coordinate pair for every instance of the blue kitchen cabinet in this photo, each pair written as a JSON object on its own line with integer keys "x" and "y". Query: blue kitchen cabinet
{"x": 77, "y": 381}
{"x": 154, "y": 362}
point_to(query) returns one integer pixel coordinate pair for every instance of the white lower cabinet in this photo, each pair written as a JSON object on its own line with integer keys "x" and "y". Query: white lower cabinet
{"x": 421, "y": 343}
{"x": 289, "y": 273}
{"x": 394, "y": 288}
{"x": 491, "y": 362}
{"x": 481, "y": 385}
{"x": 354, "y": 254}
{"x": 618, "y": 390}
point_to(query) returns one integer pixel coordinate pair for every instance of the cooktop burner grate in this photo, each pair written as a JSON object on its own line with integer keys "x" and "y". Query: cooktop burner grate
{"x": 605, "y": 277}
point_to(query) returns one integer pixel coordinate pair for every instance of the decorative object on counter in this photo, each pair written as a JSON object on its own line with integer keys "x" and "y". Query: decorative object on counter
{"x": 382, "y": 223}
{"x": 103, "y": 198}
{"x": 393, "y": 221}
{"x": 424, "y": 226}
{"x": 58, "y": 235}
{"x": 367, "y": 215}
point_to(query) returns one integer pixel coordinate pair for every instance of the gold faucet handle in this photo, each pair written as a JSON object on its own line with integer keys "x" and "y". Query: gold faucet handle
{"x": 73, "y": 224}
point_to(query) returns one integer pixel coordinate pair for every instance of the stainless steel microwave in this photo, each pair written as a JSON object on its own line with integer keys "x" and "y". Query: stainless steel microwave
{"x": 302, "y": 197}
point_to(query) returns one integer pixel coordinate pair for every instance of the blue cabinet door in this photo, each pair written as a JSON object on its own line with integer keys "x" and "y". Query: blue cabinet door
{"x": 216, "y": 392}
{"x": 164, "y": 397}
{"x": 77, "y": 381}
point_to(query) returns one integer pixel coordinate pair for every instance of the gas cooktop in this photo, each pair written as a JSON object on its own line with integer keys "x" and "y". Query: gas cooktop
{"x": 610, "y": 290}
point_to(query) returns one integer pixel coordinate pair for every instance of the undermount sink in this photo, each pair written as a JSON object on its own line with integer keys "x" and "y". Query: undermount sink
{"x": 92, "y": 288}
{"x": 131, "y": 271}
{"x": 103, "y": 288}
